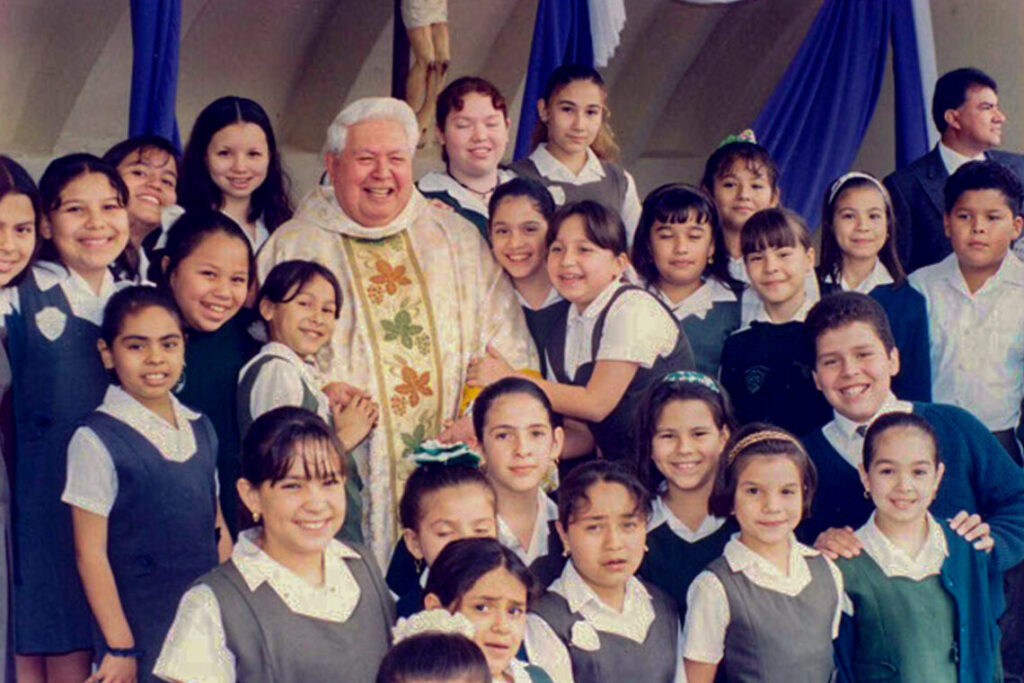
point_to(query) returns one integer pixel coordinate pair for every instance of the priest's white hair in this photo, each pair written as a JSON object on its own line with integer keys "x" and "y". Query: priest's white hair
{"x": 366, "y": 109}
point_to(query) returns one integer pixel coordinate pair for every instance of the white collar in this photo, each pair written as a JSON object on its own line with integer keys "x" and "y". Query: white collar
{"x": 632, "y": 622}
{"x": 334, "y": 601}
{"x": 83, "y": 302}
{"x": 517, "y": 669}
{"x": 547, "y": 511}
{"x": 758, "y": 313}
{"x": 307, "y": 370}
{"x": 320, "y": 207}
{"x": 738, "y": 269}
{"x": 176, "y": 444}
{"x": 550, "y": 167}
{"x": 442, "y": 181}
{"x": 710, "y": 292}
{"x": 595, "y": 307}
{"x": 1011, "y": 271}
{"x": 662, "y": 514}
{"x": 553, "y": 297}
{"x": 848, "y": 428}
{"x": 894, "y": 561}
{"x": 878, "y": 276}
{"x": 953, "y": 160}
{"x": 765, "y": 574}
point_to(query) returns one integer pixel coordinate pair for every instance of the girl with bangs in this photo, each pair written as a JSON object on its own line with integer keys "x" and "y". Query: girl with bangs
{"x": 292, "y": 604}
{"x": 680, "y": 254}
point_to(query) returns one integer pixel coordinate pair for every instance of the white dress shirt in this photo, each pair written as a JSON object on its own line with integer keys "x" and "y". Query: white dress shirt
{"x": 195, "y": 649}
{"x": 707, "y": 606}
{"x": 841, "y": 432}
{"x": 879, "y": 275}
{"x": 977, "y": 340}
{"x": 545, "y": 648}
{"x": 661, "y": 514}
{"x": 547, "y": 511}
{"x": 281, "y": 380}
{"x": 953, "y": 160}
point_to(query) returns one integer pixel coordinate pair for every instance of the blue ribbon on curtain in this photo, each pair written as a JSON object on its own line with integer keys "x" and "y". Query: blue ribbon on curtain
{"x": 561, "y": 35}
{"x": 156, "y": 28}
{"x": 816, "y": 118}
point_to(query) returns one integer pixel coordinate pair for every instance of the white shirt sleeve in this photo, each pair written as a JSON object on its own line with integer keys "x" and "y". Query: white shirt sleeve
{"x": 707, "y": 617}
{"x": 277, "y": 384}
{"x": 637, "y": 329}
{"x": 195, "y": 650}
{"x": 630, "y": 208}
{"x": 545, "y": 649}
{"x": 91, "y": 477}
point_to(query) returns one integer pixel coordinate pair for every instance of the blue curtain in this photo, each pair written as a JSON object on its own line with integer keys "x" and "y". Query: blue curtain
{"x": 561, "y": 35}
{"x": 816, "y": 118}
{"x": 156, "y": 26}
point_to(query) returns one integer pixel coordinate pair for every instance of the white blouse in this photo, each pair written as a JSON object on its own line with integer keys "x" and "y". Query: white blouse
{"x": 547, "y": 511}
{"x": 280, "y": 382}
{"x": 661, "y": 514}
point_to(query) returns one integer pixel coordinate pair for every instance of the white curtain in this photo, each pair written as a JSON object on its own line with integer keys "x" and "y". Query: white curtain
{"x": 607, "y": 17}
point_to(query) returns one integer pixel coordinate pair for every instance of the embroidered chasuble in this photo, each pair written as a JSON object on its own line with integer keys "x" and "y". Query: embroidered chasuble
{"x": 420, "y": 297}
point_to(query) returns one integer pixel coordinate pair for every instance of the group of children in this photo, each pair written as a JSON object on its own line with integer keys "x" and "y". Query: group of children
{"x": 712, "y": 405}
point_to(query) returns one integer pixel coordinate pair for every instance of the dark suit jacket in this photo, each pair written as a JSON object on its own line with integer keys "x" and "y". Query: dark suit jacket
{"x": 918, "y": 204}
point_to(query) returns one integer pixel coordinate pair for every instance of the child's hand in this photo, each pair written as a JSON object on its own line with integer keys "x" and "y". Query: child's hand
{"x": 354, "y": 421}
{"x": 973, "y": 529}
{"x": 339, "y": 393}
{"x": 116, "y": 670}
{"x": 488, "y": 369}
{"x": 459, "y": 430}
{"x": 833, "y": 543}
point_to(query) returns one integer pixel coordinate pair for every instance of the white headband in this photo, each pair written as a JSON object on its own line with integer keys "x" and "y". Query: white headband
{"x": 841, "y": 180}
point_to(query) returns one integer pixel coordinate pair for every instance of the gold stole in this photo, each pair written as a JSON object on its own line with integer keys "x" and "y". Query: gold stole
{"x": 392, "y": 291}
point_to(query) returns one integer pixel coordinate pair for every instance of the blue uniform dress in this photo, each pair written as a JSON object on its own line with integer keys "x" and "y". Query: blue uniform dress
{"x": 58, "y": 379}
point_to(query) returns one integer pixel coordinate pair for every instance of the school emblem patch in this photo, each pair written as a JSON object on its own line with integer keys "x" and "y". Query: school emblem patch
{"x": 51, "y": 322}
{"x": 755, "y": 377}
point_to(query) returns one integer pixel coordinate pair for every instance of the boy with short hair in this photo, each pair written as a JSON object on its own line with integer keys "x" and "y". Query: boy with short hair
{"x": 974, "y": 298}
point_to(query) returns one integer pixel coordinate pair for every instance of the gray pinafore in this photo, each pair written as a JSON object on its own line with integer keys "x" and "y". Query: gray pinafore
{"x": 610, "y": 190}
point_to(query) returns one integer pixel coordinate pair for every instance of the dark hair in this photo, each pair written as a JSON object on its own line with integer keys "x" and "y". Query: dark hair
{"x": 185, "y": 236}
{"x": 15, "y": 180}
{"x": 840, "y": 309}
{"x": 573, "y": 493}
{"x": 140, "y": 143}
{"x": 130, "y": 301}
{"x": 536, "y": 192}
{"x": 951, "y": 91}
{"x": 602, "y": 225}
{"x": 453, "y": 98}
{"x": 675, "y": 203}
{"x": 287, "y": 279}
{"x": 464, "y": 562}
{"x": 430, "y": 478}
{"x": 270, "y": 200}
{"x": 774, "y": 229}
{"x": 649, "y": 412}
{"x": 509, "y": 386}
{"x": 897, "y": 420}
{"x": 276, "y": 438}
{"x": 984, "y": 175}
{"x": 831, "y": 264}
{"x": 434, "y": 657}
{"x": 604, "y": 144}
{"x": 754, "y": 155}
{"x": 735, "y": 460}
{"x": 58, "y": 175}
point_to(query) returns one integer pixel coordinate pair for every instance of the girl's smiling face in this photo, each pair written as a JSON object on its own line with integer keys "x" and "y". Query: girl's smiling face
{"x": 306, "y": 322}
{"x": 211, "y": 283}
{"x": 859, "y": 222}
{"x": 519, "y": 442}
{"x": 741, "y": 191}
{"x": 778, "y": 275}
{"x": 519, "y": 237}
{"x": 903, "y": 477}
{"x": 496, "y": 605}
{"x": 148, "y": 354}
{"x": 475, "y": 137}
{"x": 448, "y": 514}
{"x": 17, "y": 235}
{"x": 579, "y": 268}
{"x": 687, "y": 444}
{"x": 769, "y": 502}
{"x": 238, "y": 158}
{"x": 89, "y": 227}
{"x": 573, "y": 117}
{"x": 152, "y": 179}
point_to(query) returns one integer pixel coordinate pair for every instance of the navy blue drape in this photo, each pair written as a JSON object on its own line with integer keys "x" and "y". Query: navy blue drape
{"x": 816, "y": 118}
{"x": 561, "y": 35}
{"x": 156, "y": 27}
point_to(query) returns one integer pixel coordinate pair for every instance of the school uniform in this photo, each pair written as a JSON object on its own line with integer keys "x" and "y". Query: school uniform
{"x": 980, "y": 478}
{"x": 156, "y": 486}
{"x": 676, "y": 554}
{"x": 601, "y": 181}
{"x": 908, "y": 319}
{"x": 707, "y": 317}
{"x": 440, "y": 185}
{"x": 276, "y": 377}
{"x": 252, "y": 619}
{"x": 541, "y": 321}
{"x": 918, "y": 618}
{"x": 6, "y": 446}
{"x": 521, "y": 672}
{"x": 977, "y": 343}
{"x": 622, "y": 323}
{"x": 766, "y": 368}
{"x": 209, "y": 385}
{"x": 52, "y": 328}
{"x": 574, "y": 636}
{"x": 545, "y": 540}
{"x": 762, "y": 625}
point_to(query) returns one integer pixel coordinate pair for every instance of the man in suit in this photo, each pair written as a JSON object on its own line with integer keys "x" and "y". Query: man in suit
{"x": 965, "y": 109}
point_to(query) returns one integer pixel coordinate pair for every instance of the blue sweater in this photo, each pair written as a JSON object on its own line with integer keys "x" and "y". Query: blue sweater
{"x": 980, "y": 478}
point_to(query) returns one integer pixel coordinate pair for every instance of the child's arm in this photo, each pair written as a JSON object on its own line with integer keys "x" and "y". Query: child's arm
{"x": 700, "y": 672}
{"x": 90, "y": 532}
{"x": 578, "y": 439}
{"x": 224, "y": 545}
{"x": 707, "y": 618}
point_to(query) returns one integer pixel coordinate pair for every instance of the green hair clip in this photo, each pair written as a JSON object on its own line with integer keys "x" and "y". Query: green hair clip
{"x": 454, "y": 454}
{"x": 745, "y": 136}
{"x": 691, "y": 377}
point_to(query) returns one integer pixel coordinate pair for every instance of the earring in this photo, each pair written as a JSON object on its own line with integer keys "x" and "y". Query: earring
{"x": 711, "y": 259}
{"x": 256, "y": 517}
{"x": 419, "y": 565}
{"x": 646, "y": 548}
{"x": 867, "y": 494}
{"x": 565, "y": 552}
